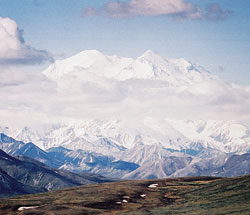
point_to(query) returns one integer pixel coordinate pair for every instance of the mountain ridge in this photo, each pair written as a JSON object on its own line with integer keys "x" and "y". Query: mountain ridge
{"x": 22, "y": 175}
{"x": 150, "y": 65}
{"x": 143, "y": 161}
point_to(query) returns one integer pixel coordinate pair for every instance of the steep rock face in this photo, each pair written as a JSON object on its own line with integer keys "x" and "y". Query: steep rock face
{"x": 39, "y": 177}
{"x": 14, "y": 147}
{"x": 145, "y": 153}
{"x": 236, "y": 165}
{"x": 10, "y": 186}
{"x": 162, "y": 168}
{"x": 79, "y": 160}
{"x": 9, "y": 144}
{"x": 75, "y": 160}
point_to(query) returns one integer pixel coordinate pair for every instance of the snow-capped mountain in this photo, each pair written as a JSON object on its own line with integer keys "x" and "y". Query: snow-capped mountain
{"x": 91, "y": 61}
{"x": 175, "y": 72}
{"x": 93, "y": 79}
{"x": 79, "y": 161}
{"x": 74, "y": 160}
{"x": 141, "y": 161}
{"x": 15, "y": 148}
{"x": 150, "y": 65}
{"x": 113, "y": 137}
{"x": 24, "y": 175}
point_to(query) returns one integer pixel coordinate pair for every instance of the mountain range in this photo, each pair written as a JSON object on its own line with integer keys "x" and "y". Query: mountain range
{"x": 139, "y": 162}
{"x": 148, "y": 145}
{"x": 24, "y": 175}
{"x": 150, "y": 65}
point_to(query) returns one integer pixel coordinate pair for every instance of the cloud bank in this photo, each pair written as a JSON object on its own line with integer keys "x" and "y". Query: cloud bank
{"x": 13, "y": 48}
{"x": 80, "y": 94}
{"x": 177, "y": 9}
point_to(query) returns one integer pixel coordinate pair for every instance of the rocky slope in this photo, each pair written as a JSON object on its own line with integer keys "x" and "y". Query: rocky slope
{"x": 24, "y": 175}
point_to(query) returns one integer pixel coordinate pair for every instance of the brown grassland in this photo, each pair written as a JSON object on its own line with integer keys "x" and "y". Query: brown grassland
{"x": 188, "y": 195}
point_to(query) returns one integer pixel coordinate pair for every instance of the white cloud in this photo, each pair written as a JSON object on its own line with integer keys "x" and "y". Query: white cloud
{"x": 176, "y": 8}
{"x": 32, "y": 99}
{"x": 14, "y": 50}
{"x": 40, "y": 101}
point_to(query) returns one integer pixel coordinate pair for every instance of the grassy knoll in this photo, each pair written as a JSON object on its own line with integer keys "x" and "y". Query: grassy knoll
{"x": 190, "y": 196}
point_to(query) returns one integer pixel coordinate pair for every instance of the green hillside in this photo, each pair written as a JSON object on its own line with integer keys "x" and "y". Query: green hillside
{"x": 191, "y": 195}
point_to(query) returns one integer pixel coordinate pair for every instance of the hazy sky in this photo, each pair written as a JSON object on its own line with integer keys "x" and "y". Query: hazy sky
{"x": 33, "y": 33}
{"x": 214, "y": 34}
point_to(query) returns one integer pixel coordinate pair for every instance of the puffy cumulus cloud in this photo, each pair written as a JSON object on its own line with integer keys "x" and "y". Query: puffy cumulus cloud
{"x": 175, "y": 8}
{"x": 14, "y": 50}
{"x": 214, "y": 12}
{"x": 25, "y": 96}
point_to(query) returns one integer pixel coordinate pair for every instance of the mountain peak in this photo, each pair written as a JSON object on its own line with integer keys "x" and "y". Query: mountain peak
{"x": 90, "y": 52}
{"x": 92, "y": 64}
{"x": 149, "y": 52}
{"x": 150, "y": 55}
{"x": 87, "y": 62}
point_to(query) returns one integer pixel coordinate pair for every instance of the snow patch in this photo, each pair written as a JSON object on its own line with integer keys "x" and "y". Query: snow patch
{"x": 26, "y": 208}
{"x": 153, "y": 185}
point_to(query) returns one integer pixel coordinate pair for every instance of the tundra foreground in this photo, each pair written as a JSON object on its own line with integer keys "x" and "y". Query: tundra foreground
{"x": 188, "y": 195}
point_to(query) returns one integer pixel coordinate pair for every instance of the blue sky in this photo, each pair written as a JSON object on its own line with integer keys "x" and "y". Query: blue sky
{"x": 33, "y": 33}
{"x": 58, "y": 26}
